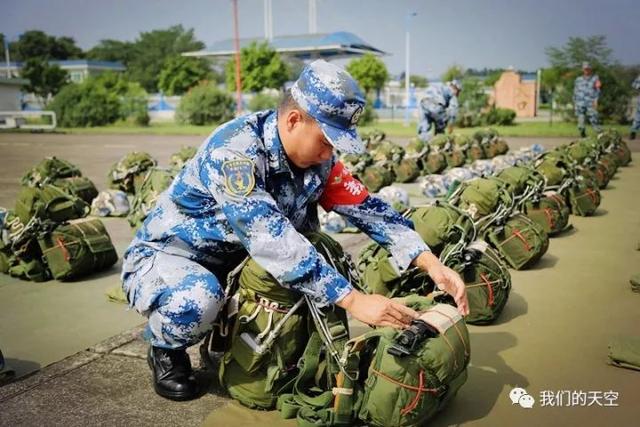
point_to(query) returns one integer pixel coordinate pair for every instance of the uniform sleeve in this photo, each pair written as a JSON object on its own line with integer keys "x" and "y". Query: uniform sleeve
{"x": 597, "y": 85}
{"x": 350, "y": 198}
{"x": 237, "y": 184}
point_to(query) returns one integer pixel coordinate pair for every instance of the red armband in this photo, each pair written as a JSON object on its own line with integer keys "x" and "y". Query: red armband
{"x": 342, "y": 189}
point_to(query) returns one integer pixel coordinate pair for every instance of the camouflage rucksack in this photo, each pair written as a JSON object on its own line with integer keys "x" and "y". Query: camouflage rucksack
{"x": 49, "y": 202}
{"x": 129, "y": 169}
{"x": 180, "y": 158}
{"x": 78, "y": 248}
{"x": 156, "y": 180}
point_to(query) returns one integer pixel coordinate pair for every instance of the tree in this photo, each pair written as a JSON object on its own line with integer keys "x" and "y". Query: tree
{"x": 418, "y": 81}
{"x": 112, "y": 50}
{"x": 44, "y": 80}
{"x": 369, "y": 71}
{"x": 152, "y": 49}
{"x": 100, "y": 100}
{"x": 260, "y": 67}
{"x": 37, "y": 44}
{"x": 180, "y": 73}
{"x": 454, "y": 72}
{"x": 205, "y": 104}
{"x": 593, "y": 49}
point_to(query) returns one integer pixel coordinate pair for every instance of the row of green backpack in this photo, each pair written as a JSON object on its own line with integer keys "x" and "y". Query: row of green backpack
{"x": 284, "y": 352}
{"x": 385, "y": 162}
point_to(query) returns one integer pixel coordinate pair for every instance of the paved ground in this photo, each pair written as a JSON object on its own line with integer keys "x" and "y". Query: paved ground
{"x": 552, "y": 336}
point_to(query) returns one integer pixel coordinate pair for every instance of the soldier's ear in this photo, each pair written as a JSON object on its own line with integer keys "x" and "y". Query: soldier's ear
{"x": 294, "y": 118}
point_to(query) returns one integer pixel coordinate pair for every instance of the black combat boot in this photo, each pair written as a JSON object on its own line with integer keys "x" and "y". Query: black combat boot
{"x": 583, "y": 133}
{"x": 632, "y": 136}
{"x": 172, "y": 374}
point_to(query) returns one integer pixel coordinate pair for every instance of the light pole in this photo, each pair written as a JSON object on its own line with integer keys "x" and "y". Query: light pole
{"x": 406, "y": 66}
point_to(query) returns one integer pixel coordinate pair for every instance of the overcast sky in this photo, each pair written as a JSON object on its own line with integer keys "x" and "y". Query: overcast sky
{"x": 473, "y": 33}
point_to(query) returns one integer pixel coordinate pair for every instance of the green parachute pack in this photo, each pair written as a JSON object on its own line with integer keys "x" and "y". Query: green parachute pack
{"x": 181, "y": 157}
{"x": 48, "y": 202}
{"x": 454, "y": 154}
{"x": 271, "y": 328}
{"x": 384, "y": 377}
{"x": 155, "y": 181}
{"x": 377, "y": 175}
{"x": 520, "y": 241}
{"x": 283, "y": 351}
{"x": 76, "y": 249}
{"x": 62, "y": 174}
{"x": 486, "y": 277}
{"x": 127, "y": 173}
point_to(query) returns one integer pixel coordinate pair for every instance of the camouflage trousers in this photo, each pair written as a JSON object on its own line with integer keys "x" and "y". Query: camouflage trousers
{"x": 180, "y": 298}
{"x": 635, "y": 126}
{"x": 587, "y": 110}
{"x": 437, "y": 119}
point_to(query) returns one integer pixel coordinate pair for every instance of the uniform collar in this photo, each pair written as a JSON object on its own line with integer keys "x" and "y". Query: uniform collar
{"x": 278, "y": 161}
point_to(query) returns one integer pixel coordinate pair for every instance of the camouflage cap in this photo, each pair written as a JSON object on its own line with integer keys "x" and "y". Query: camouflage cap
{"x": 332, "y": 97}
{"x": 456, "y": 84}
{"x": 586, "y": 65}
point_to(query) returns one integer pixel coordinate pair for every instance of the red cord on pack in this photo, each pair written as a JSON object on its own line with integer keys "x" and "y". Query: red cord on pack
{"x": 60, "y": 243}
{"x": 488, "y": 283}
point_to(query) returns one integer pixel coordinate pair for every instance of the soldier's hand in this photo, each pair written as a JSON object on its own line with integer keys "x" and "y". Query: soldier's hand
{"x": 377, "y": 310}
{"x": 445, "y": 279}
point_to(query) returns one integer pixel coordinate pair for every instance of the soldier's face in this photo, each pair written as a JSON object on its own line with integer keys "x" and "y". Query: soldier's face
{"x": 586, "y": 71}
{"x": 303, "y": 141}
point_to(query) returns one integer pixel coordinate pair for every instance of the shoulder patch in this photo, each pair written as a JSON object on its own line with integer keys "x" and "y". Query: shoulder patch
{"x": 239, "y": 179}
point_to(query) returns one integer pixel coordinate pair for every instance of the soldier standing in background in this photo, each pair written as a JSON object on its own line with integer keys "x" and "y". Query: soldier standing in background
{"x": 586, "y": 91}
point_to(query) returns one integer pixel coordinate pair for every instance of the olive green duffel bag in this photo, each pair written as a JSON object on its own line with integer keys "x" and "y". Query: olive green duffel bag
{"x": 76, "y": 249}
{"x": 520, "y": 241}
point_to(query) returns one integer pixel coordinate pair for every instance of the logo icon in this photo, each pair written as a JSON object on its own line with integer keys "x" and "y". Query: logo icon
{"x": 238, "y": 177}
{"x": 356, "y": 116}
{"x": 521, "y": 397}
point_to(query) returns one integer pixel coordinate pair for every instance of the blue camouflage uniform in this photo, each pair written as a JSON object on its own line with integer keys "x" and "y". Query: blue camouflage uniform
{"x": 240, "y": 196}
{"x": 635, "y": 126}
{"x": 438, "y": 107}
{"x": 585, "y": 91}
